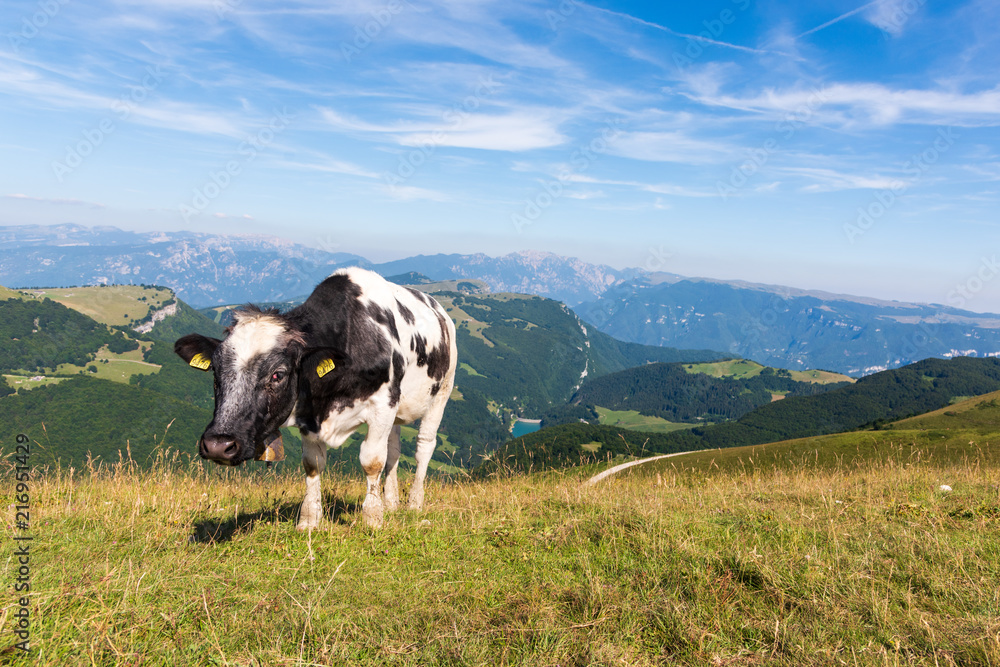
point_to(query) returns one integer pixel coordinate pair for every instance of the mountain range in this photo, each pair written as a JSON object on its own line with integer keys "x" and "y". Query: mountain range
{"x": 773, "y": 325}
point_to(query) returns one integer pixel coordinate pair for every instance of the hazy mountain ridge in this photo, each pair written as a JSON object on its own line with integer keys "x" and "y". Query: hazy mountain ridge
{"x": 790, "y": 328}
{"x": 203, "y": 269}
{"x": 566, "y": 279}
{"x": 771, "y": 324}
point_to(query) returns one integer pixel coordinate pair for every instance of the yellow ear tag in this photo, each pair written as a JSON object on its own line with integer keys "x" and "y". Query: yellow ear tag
{"x": 201, "y": 362}
{"x": 325, "y": 367}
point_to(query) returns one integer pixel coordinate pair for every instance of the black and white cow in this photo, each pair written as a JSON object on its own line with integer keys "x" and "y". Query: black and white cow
{"x": 360, "y": 350}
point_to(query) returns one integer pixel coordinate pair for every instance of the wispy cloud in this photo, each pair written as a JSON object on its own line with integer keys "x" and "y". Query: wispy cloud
{"x": 58, "y": 201}
{"x": 670, "y": 189}
{"x": 413, "y": 193}
{"x": 870, "y": 103}
{"x": 674, "y": 146}
{"x": 519, "y": 130}
{"x": 830, "y": 180}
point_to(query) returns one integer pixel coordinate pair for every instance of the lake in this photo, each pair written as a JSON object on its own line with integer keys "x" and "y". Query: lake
{"x": 522, "y": 427}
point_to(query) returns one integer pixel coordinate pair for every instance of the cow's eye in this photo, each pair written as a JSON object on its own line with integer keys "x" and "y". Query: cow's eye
{"x": 277, "y": 376}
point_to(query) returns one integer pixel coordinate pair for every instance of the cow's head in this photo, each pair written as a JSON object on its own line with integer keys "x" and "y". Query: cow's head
{"x": 256, "y": 375}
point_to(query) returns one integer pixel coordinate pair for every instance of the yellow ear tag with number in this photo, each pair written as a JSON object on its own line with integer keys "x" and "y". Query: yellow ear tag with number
{"x": 201, "y": 362}
{"x": 325, "y": 367}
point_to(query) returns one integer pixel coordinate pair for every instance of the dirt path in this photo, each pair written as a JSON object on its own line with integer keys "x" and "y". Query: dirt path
{"x": 617, "y": 469}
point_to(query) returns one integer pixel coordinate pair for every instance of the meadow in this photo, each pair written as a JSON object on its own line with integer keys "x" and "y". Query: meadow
{"x": 864, "y": 562}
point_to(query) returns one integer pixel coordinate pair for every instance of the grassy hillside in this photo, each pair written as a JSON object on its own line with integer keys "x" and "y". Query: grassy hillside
{"x": 39, "y": 335}
{"x": 871, "y": 402}
{"x": 633, "y": 420}
{"x": 744, "y": 368}
{"x": 860, "y": 565}
{"x": 673, "y": 392}
{"x": 966, "y": 431}
{"x": 115, "y": 305}
{"x": 83, "y": 415}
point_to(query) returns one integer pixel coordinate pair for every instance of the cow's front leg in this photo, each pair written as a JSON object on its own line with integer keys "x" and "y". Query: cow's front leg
{"x": 374, "y": 451}
{"x": 391, "y": 468}
{"x": 314, "y": 461}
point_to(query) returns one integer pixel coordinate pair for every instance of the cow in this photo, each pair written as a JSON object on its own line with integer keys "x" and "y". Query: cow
{"x": 360, "y": 350}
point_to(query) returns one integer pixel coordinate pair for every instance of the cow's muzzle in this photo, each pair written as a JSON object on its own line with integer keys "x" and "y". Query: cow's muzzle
{"x": 221, "y": 448}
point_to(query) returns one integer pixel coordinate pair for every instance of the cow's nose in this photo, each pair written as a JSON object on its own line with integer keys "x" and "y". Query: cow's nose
{"x": 221, "y": 448}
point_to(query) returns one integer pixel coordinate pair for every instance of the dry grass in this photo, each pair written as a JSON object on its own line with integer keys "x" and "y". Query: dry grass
{"x": 186, "y": 565}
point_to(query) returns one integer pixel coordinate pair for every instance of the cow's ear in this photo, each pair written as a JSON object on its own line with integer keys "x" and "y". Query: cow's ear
{"x": 196, "y": 350}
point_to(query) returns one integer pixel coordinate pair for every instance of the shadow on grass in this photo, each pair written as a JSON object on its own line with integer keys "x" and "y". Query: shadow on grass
{"x": 211, "y": 531}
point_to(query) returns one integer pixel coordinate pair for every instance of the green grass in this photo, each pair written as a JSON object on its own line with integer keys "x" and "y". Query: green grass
{"x": 736, "y": 368}
{"x": 631, "y": 419}
{"x": 120, "y": 367}
{"x": 820, "y": 377}
{"x": 23, "y": 382}
{"x": 470, "y": 370}
{"x": 742, "y": 368}
{"x": 857, "y": 565}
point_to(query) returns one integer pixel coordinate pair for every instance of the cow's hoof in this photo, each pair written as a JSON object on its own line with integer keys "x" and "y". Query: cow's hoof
{"x": 372, "y": 516}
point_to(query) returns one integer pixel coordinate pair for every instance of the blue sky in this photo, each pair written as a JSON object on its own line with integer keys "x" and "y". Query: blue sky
{"x": 842, "y": 146}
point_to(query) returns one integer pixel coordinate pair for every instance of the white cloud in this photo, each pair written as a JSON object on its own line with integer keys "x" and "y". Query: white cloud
{"x": 55, "y": 200}
{"x": 829, "y": 180}
{"x": 413, "y": 193}
{"x": 328, "y": 166}
{"x": 849, "y": 104}
{"x": 657, "y": 188}
{"x": 669, "y": 147}
{"x": 514, "y": 131}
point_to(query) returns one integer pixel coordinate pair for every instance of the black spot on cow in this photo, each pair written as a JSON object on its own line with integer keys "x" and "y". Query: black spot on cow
{"x": 439, "y": 359}
{"x": 398, "y": 365}
{"x": 418, "y": 344}
{"x": 405, "y": 313}
{"x": 385, "y": 318}
{"x": 421, "y": 297}
{"x": 435, "y": 388}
